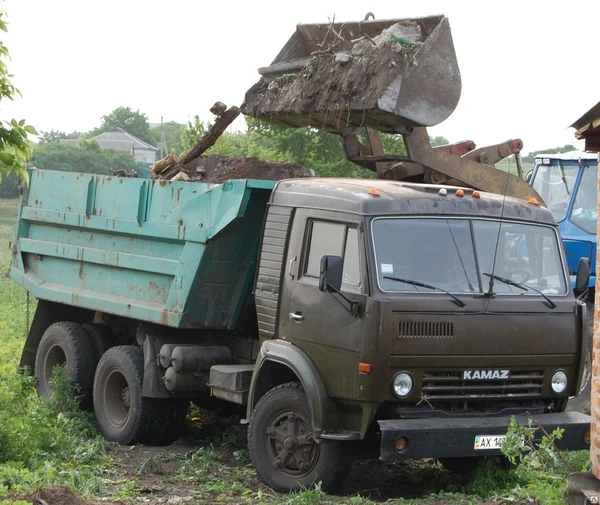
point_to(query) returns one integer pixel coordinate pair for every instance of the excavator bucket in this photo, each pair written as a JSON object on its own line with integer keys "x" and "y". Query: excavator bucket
{"x": 388, "y": 75}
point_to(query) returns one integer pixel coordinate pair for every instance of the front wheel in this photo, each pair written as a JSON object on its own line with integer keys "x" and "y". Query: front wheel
{"x": 283, "y": 448}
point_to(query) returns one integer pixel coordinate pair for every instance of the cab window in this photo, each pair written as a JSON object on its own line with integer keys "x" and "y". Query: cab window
{"x": 338, "y": 240}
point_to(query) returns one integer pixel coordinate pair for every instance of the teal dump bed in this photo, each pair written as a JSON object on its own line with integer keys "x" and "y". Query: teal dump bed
{"x": 182, "y": 254}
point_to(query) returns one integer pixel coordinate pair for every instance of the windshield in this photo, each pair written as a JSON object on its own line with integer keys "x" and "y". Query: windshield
{"x": 584, "y": 212}
{"x": 454, "y": 255}
{"x": 554, "y": 183}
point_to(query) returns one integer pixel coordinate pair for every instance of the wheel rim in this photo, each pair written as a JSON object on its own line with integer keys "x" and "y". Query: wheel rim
{"x": 291, "y": 447}
{"x": 117, "y": 398}
{"x": 56, "y": 357}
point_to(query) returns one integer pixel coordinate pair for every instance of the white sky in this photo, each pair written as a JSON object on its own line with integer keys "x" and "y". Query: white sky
{"x": 529, "y": 68}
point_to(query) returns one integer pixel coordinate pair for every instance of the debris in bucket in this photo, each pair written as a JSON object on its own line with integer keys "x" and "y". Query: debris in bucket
{"x": 346, "y": 75}
{"x": 391, "y": 75}
{"x": 193, "y": 166}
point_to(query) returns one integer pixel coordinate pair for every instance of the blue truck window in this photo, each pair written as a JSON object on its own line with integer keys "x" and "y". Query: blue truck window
{"x": 584, "y": 213}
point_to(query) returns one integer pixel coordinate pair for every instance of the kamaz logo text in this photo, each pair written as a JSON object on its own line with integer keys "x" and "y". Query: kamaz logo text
{"x": 485, "y": 375}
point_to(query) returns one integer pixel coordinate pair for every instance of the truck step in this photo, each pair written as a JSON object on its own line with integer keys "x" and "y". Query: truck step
{"x": 231, "y": 382}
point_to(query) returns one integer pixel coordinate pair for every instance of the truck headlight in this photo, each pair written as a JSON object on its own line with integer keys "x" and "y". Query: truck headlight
{"x": 559, "y": 382}
{"x": 402, "y": 384}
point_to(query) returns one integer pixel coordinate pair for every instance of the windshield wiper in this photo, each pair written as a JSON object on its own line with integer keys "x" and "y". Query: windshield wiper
{"x": 524, "y": 287}
{"x": 562, "y": 176}
{"x": 458, "y": 301}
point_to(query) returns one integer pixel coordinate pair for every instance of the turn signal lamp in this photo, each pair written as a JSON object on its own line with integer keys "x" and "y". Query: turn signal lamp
{"x": 460, "y": 192}
{"x": 533, "y": 201}
{"x": 587, "y": 437}
{"x": 374, "y": 192}
{"x": 365, "y": 367}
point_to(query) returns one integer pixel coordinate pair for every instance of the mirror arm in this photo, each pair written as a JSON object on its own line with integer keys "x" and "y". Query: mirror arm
{"x": 353, "y": 307}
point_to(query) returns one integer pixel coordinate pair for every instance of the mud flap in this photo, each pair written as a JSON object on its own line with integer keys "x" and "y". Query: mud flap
{"x": 480, "y": 436}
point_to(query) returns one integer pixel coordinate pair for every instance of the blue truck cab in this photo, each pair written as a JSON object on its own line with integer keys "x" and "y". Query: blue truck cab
{"x": 568, "y": 185}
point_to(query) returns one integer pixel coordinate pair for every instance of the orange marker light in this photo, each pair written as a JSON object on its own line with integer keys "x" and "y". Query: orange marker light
{"x": 374, "y": 192}
{"x": 533, "y": 201}
{"x": 365, "y": 367}
{"x": 587, "y": 437}
{"x": 476, "y": 194}
{"x": 401, "y": 444}
{"x": 460, "y": 192}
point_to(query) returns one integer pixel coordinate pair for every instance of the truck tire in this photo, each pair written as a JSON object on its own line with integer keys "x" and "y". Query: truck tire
{"x": 102, "y": 338}
{"x": 68, "y": 344}
{"x": 282, "y": 447}
{"x": 122, "y": 413}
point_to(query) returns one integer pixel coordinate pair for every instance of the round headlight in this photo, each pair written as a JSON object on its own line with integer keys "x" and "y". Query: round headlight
{"x": 403, "y": 384}
{"x": 559, "y": 382}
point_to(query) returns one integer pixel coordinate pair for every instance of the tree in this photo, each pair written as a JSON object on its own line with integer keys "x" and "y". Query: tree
{"x": 15, "y": 148}
{"x": 56, "y": 136}
{"x": 530, "y": 158}
{"x": 133, "y": 122}
{"x": 86, "y": 157}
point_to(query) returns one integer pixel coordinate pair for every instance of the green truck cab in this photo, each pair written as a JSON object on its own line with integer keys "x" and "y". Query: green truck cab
{"x": 351, "y": 317}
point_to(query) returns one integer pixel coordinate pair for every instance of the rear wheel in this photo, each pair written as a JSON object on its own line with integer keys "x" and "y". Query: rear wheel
{"x": 122, "y": 413}
{"x": 102, "y": 338}
{"x": 66, "y": 344}
{"x": 283, "y": 448}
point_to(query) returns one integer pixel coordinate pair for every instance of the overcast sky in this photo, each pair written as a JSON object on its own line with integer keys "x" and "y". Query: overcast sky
{"x": 529, "y": 68}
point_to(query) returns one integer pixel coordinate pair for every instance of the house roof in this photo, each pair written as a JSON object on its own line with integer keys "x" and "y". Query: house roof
{"x": 121, "y": 136}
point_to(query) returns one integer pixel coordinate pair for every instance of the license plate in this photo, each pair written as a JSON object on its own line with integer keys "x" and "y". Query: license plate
{"x": 483, "y": 442}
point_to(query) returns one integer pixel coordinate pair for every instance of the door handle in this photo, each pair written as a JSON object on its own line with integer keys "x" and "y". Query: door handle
{"x": 297, "y": 316}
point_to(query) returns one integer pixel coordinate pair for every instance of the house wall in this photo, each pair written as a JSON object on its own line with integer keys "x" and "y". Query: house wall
{"x": 146, "y": 156}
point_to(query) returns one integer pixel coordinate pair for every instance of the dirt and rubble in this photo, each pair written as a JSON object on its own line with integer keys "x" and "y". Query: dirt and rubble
{"x": 197, "y": 167}
{"x": 346, "y": 79}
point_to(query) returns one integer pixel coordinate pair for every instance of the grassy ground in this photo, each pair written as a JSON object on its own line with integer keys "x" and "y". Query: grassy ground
{"x": 45, "y": 445}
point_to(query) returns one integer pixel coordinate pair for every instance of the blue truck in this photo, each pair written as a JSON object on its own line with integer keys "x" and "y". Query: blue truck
{"x": 568, "y": 185}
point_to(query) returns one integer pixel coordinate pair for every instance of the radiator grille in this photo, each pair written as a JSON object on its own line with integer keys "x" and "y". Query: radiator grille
{"x": 426, "y": 329}
{"x": 450, "y": 386}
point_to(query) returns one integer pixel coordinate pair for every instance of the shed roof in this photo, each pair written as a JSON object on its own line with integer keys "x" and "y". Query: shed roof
{"x": 588, "y": 128}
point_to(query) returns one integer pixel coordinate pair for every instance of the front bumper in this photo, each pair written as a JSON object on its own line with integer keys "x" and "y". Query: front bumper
{"x": 452, "y": 438}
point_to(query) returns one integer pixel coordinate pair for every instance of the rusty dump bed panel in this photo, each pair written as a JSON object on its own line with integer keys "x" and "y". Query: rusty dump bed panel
{"x": 181, "y": 254}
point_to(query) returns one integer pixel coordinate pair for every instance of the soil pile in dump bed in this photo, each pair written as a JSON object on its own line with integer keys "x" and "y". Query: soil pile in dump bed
{"x": 218, "y": 169}
{"x": 335, "y": 85}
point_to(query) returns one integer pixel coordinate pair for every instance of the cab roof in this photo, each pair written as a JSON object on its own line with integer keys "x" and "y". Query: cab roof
{"x": 570, "y": 155}
{"x": 356, "y": 196}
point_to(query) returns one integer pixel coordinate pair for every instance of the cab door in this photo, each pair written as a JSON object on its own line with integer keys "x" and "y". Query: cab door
{"x": 321, "y": 323}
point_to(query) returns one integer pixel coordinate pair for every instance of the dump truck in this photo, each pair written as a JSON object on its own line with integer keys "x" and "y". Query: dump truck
{"x": 351, "y": 317}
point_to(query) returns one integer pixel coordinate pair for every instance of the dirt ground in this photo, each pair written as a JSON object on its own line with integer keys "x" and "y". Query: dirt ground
{"x": 153, "y": 469}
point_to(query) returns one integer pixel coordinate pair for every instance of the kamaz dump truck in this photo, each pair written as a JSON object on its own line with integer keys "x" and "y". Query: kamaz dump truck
{"x": 349, "y": 316}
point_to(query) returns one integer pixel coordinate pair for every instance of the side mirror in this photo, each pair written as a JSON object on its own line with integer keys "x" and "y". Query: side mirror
{"x": 583, "y": 275}
{"x": 330, "y": 278}
{"x": 528, "y": 175}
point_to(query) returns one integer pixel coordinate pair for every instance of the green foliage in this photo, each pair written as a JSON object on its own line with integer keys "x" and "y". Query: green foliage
{"x": 133, "y": 122}
{"x": 542, "y": 469}
{"x": 192, "y": 133}
{"x": 56, "y": 136}
{"x": 41, "y": 443}
{"x": 87, "y": 157}
{"x": 9, "y": 186}
{"x": 15, "y": 148}
{"x": 173, "y": 134}
{"x": 530, "y": 158}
